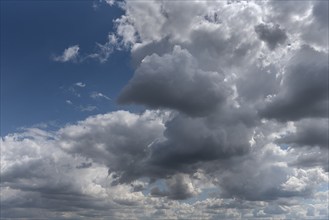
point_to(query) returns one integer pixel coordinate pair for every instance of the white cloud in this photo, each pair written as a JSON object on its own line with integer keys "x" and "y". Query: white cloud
{"x": 80, "y": 84}
{"x": 103, "y": 51}
{"x": 99, "y": 95}
{"x": 69, "y": 102}
{"x": 69, "y": 54}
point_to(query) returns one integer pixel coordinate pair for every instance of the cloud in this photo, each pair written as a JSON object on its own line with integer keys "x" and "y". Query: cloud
{"x": 69, "y": 54}
{"x": 234, "y": 128}
{"x": 121, "y": 142}
{"x": 88, "y": 108}
{"x": 175, "y": 81}
{"x": 66, "y": 171}
{"x": 103, "y": 51}
{"x": 80, "y": 84}
{"x": 189, "y": 141}
{"x": 273, "y": 35}
{"x": 264, "y": 176}
{"x": 304, "y": 90}
{"x": 69, "y": 102}
{"x": 99, "y": 95}
{"x": 309, "y": 132}
{"x": 179, "y": 186}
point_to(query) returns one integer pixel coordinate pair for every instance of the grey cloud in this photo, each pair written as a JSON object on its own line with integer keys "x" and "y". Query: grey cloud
{"x": 84, "y": 165}
{"x": 283, "y": 11}
{"x": 276, "y": 209}
{"x": 160, "y": 48}
{"x": 175, "y": 81}
{"x": 189, "y": 141}
{"x": 309, "y": 132}
{"x": 320, "y": 12}
{"x": 273, "y": 35}
{"x": 119, "y": 140}
{"x": 315, "y": 31}
{"x": 178, "y": 188}
{"x": 311, "y": 157}
{"x": 252, "y": 90}
{"x": 41, "y": 183}
{"x": 259, "y": 176}
{"x": 304, "y": 91}
{"x": 190, "y": 63}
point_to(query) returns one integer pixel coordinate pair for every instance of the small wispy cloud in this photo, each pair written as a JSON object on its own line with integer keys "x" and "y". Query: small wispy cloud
{"x": 99, "y": 95}
{"x": 69, "y": 54}
{"x": 110, "y": 2}
{"x": 103, "y": 51}
{"x": 69, "y": 102}
{"x": 88, "y": 108}
{"x": 80, "y": 84}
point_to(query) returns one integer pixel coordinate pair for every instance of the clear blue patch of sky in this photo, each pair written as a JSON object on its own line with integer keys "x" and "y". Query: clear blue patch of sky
{"x": 34, "y": 88}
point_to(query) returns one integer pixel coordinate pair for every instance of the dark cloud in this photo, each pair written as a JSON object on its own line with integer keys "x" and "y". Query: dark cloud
{"x": 191, "y": 140}
{"x": 179, "y": 187}
{"x": 160, "y": 48}
{"x": 309, "y": 132}
{"x": 175, "y": 81}
{"x": 304, "y": 91}
{"x": 119, "y": 140}
{"x": 273, "y": 35}
{"x": 260, "y": 178}
{"x": 84, "y": 165}
{"x": 312, "y": 157}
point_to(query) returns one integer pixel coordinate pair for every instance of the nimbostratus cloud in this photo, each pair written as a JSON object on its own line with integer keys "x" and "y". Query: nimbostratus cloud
{"x": 239, "y": 94}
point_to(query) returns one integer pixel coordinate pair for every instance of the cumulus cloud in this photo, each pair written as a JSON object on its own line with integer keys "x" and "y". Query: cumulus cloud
{"x": 69, "y": 54}
{"x": 175, "y": 81}
{"x": 304, "y": 89}
{"x": 180, "y": 187}
{"x": 250, "y": 116}
{"x": 309, "y": 132}
{"x": 76, "y": 160}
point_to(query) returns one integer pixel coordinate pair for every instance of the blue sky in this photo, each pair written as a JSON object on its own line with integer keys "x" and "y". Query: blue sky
{"x": 34, "y": 88}
{"x": 154, "y": 109}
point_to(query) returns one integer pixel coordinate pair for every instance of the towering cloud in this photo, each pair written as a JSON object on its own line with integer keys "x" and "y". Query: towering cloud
{"x": 236, "y": 124}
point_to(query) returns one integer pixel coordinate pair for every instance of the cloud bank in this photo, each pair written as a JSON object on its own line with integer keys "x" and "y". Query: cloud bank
{"x": 236, "y": 126}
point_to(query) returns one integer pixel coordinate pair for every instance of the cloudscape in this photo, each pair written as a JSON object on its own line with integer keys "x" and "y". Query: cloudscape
{"x": 154, "y": 109}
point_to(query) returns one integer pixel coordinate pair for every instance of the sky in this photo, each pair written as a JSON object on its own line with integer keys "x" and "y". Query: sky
{"x": 164, "y": 109}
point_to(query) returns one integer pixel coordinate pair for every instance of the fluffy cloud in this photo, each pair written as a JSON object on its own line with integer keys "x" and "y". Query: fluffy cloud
{"x": 118, "y": 140}
{"x": 304, "y": 89}
{"x": 175, "y": 81}
{"x": 82, "y": 170}
{"x": 309, "y": 132}
{"x": 69, "y": 54}
{"x": 238, "y": 126}
{"x": 180, "y": 187}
